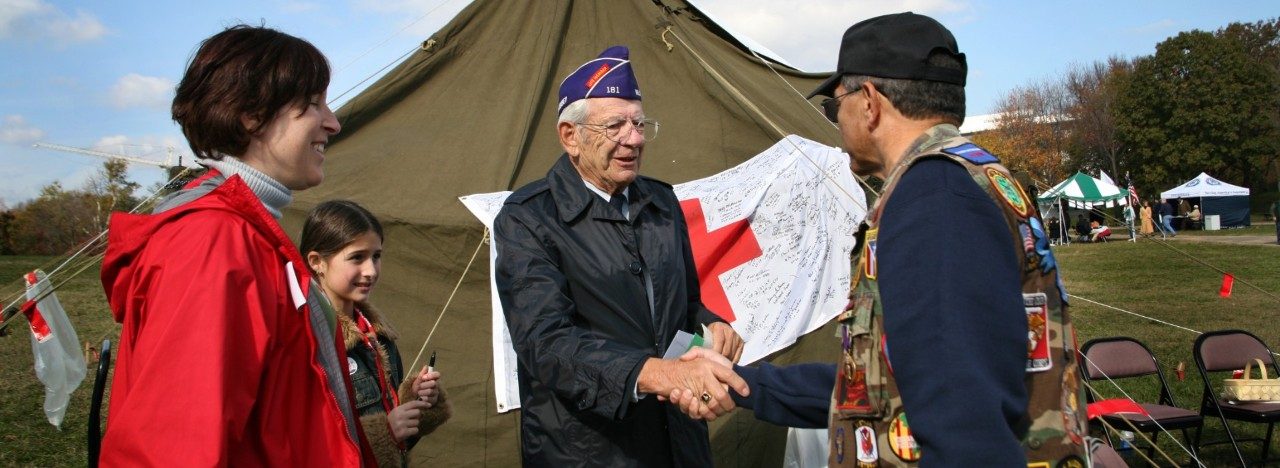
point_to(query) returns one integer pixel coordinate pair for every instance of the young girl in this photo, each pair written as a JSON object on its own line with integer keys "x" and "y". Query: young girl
{"x": 342, "y": 244}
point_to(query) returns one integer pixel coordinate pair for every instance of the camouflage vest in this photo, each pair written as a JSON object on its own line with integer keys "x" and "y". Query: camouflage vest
{"x": 868, "y": 426}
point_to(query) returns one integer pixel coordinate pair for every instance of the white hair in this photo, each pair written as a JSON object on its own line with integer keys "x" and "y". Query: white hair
{"x": 575, "y": 112}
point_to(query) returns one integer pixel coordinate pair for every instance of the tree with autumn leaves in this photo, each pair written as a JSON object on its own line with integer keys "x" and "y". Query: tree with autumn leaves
{"x": 1205, "y": 101}
{"x": 60, "y": 219}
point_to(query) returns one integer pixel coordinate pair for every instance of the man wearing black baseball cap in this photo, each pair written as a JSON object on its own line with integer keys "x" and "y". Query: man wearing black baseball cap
{"x": 957, "y": 346}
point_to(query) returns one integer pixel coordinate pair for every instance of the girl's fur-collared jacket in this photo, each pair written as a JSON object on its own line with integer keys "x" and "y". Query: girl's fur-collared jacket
{"x": 375, "y": 425}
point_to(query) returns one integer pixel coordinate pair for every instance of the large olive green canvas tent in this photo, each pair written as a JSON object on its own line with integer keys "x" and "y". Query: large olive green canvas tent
{"x": 474, "y": 111}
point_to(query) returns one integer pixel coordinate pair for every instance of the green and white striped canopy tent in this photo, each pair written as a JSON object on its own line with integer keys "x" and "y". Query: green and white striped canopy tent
{"x": 1082, "y": 191}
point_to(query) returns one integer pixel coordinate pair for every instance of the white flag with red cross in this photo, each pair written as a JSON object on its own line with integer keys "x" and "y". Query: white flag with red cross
{"x": 771, "y": 238}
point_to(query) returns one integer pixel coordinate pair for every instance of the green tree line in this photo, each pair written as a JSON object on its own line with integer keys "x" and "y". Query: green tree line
{"x": 1203, "y": 102}
{"x": 60, "y": 219}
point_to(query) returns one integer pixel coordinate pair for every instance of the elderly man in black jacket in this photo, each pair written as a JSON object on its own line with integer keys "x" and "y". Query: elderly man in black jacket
{"x": 596, "y": 276}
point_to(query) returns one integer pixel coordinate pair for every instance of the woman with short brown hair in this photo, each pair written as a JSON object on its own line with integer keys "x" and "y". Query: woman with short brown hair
{"x": 228, "y": 354}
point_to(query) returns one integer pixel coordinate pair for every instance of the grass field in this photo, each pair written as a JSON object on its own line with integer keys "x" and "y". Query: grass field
{"x": 1146, "y": 278}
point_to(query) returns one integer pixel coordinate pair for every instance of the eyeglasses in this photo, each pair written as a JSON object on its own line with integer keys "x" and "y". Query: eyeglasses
{"x": 831, "y": 106}
{"x": 614, "y": 129}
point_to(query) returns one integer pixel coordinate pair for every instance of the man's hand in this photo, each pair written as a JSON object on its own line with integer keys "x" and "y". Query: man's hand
{"x": 687, "y": 400}
{"x": 427, "y": 386}
{"x": 404, "y": 419}
{"x": 725, "y": 340}
{"x": 706, "y": 382}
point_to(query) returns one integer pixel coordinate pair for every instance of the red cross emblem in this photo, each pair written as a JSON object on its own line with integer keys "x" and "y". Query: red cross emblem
{"x": 716, "y": 252}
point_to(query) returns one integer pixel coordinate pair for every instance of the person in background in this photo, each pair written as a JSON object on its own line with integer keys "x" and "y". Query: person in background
{"x": 1128, "y": 221}
{"x": 1084, "y": 228}
{"x": 1275, "y": 216}
{"x": 1194, "y": 216}
{"x": 1166, "y": 217}
{"x": 1184, "y": 210}
{"x": 342, "y": 244}
{"x": 228, "y": 355}
{"x": 1148, "y": 227}
{"x": 1098, "y": 232}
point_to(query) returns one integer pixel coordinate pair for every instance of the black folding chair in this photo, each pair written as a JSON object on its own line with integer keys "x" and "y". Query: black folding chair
{"x": 95, "y": 405}
{"x": 1122, "y": 357}
{"x": 1224, "y": 351}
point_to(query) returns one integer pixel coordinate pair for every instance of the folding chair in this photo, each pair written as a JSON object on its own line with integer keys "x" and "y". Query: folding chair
{"x": 1224, "y": 351}
{"x": 1122, "y": 358}
{"x": 95, "y": 405}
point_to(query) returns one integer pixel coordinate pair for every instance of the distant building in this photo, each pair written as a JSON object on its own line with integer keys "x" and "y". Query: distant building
{"x": 978, "y": 124}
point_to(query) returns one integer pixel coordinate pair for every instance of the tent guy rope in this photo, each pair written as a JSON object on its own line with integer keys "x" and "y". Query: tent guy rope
{"x": 96, "y": 245}
{"x": 483, "y": 240}
{"x": 751, "y": 105}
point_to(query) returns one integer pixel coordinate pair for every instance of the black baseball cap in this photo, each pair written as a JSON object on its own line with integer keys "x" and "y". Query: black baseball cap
{"x": 896, "y": 46}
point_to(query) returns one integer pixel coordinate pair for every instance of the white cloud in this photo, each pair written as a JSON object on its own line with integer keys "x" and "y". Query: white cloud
{"x": 134, "y": 90}
{"x": 15, "y": 129}
{"x": 83, "y": 27}
{"x": 814, "y": 46}
{"x": 36, "y": 20}
{"x": 14, "y": 12}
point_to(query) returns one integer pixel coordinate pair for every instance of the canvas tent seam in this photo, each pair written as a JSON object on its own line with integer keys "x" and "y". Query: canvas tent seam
{"x": 526, "y": 139}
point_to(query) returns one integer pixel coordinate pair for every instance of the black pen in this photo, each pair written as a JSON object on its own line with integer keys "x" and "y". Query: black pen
{"x": 431, "y": 363}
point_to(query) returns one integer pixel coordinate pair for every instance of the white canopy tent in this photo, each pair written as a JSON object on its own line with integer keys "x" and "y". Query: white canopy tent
{"x": 1204, "y": 185}
{"x": 1228, "y": 202}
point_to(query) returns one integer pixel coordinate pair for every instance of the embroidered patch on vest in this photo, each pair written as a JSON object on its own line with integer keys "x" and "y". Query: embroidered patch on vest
{"x": 901, "y": 441}
{"x": 972, "y": 153}
{"x": 1011, "y": 191}
{"x": 1071, "y": 461}
{"x": 839, "y": 445}
{"x": 1071, "y": 416}
{"x": 869, "y": 254}
{"x": 1047, "y": 262}
{"x": 851, "y": 385}
{"x": 884, "y": 351}
{"x": 351, "y": 366}
{"x": 865, "y": 438}
{"x": 1038, "y": 357}
{"x": 1032, "y": 262}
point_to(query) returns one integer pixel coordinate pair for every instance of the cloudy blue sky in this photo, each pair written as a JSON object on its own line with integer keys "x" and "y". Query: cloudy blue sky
{"x": 101, "y": 74}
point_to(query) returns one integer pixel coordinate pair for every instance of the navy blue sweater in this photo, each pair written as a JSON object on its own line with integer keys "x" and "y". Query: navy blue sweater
{"x": 956, "y": 329}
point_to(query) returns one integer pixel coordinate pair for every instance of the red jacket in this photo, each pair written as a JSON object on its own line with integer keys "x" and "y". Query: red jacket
{"x": 216, "y": 364}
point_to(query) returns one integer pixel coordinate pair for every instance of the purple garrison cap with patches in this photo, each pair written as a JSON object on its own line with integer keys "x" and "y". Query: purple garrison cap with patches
{"x": 608, "y": 75}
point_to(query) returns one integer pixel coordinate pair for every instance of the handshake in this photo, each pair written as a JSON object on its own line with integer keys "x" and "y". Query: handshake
{"x": 699, "y": 382}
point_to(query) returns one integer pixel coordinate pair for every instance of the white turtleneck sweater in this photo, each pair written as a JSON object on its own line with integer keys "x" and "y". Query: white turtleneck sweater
{"x": 274, "y": 195}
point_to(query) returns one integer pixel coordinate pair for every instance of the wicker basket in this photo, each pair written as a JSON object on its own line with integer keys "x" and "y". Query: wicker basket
{"x": 1248, "y": 388}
